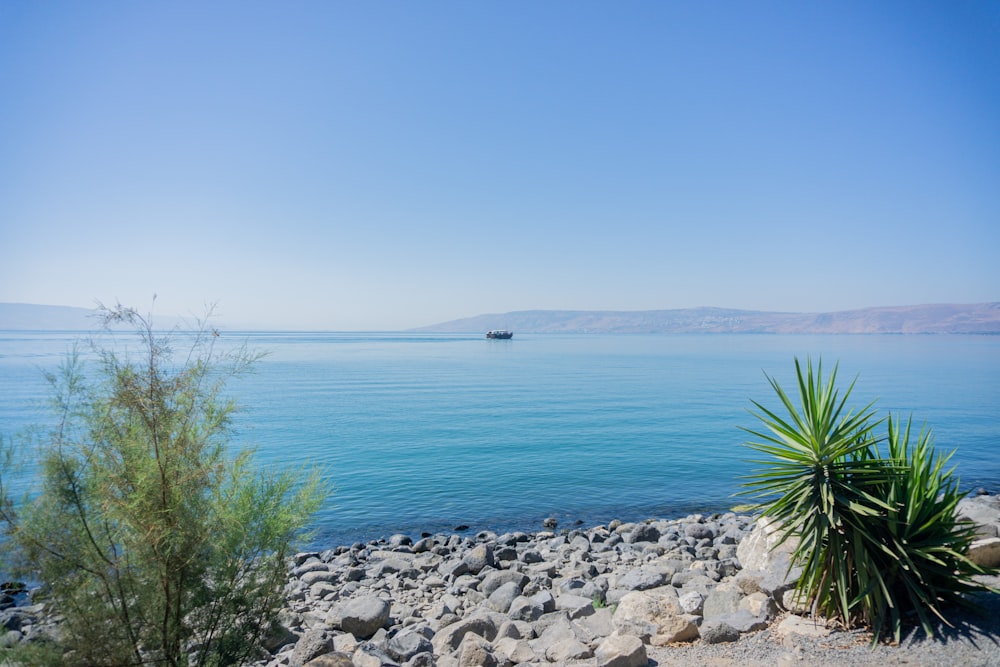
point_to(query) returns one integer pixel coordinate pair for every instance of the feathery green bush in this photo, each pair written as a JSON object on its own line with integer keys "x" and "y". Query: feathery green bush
{"x": 155, "y": 542}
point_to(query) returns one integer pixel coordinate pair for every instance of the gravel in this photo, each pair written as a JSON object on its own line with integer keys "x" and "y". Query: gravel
{"x": 974, "y": 642}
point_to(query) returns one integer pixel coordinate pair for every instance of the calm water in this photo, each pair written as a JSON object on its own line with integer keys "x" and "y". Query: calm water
{"x": 426, "y": 432}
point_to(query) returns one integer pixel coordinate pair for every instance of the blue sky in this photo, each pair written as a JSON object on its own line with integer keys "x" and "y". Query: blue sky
{"x": 385, "y": 165}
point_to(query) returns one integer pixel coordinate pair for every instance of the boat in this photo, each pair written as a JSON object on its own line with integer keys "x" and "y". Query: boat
{"x": 501, "y": 334}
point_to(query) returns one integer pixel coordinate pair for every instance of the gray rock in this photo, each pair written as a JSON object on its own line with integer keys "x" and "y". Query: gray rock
{"x": 692, "y": 602}
{"x": 312, "y": 644}
{"x": 475, "y": 651}
{"x": 502, "y": 597}
{"x": 721, "y": 601}
{"x": 566, "y": 650}
{"x": 641, "y": 579}
{"x": 449, "y": 638}
{"x": 408, "y": 643}
{"x": 479, "y": 557}
{"x": 546, "y": 600}
{"x": 643, "y": 532}
{"x": 717, "y": 631}
{"x": 575, "y": 606}
{"x": 495, "y": 580}
{"x": 525, "y": 609}
{"x": 335, "y": 659}
{"x": 369, "y": 655}
{"x": 421, "y": 660}
{"x": 657, "y": 618}
{"x": 363, "y": 616}
{"x": 621, "y": 651}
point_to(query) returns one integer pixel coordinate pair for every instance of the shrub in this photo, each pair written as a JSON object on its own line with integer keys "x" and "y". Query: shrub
{"x": 878, "y": 538}
{"x": 156, "y": 543}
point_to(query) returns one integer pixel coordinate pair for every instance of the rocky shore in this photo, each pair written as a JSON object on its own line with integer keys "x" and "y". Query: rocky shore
{"x": 698, "y": 590}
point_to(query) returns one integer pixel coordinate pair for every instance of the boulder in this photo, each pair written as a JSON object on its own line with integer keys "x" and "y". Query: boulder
{"x": 408, "y": 643}
{"x": 474, "y": 651}
{"x": 760, "y": 550}
{"x": 498, "y": 578}
{"x": 369, "y": 655}
{"x": 717, "y": 631}
{"x": 525, "y": 609}
{"x": 641, "y": 579}
{"x": 511, "y": 650}
{"x": 796, "y": 625}
{"x": 363, "y": 616}
{"x": 657, "y": 618}
{"x": 982, "y": 510}
{"x": 500, "y": 600}
{"x": 721, "y": 601}
{"x": 479, "y": 557}
{"x": 643, "y": 532}
{"x": 621, "y": 651}
{"x": 985, "y": 552}
{"x": 449, "y": 638}
{"x": 312, "y": 644}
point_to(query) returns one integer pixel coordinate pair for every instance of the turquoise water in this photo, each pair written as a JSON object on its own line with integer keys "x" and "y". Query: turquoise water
{"x": 427, "y": 432}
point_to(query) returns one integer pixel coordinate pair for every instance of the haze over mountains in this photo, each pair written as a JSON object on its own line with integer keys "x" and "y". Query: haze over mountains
{"x": 926, "y": 319}
{"x": 980, "y": 318}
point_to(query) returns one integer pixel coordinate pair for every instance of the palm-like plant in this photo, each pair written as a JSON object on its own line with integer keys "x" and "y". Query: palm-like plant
{"x": 924, "y": 566}
{"x": 877, "y": 537}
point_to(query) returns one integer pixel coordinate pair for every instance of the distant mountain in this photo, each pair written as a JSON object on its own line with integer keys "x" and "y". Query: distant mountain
{"x": 980, "y": 318}
{"x": 22, "y": 316}
{"x": 30, "y": 316}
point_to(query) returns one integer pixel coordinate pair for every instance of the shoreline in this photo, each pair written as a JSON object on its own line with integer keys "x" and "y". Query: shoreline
{"x": 700, "y": 589}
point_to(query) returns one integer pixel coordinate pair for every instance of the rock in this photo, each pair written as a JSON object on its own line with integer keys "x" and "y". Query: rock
{"x": 760, "y": 549}
{"x": 362, "y": 617}
{"x": 692, "y": 602}
{"x": 793, "y": 601}
{"x": 479, "y": 557}
{"x": 421, "y": 660}
{"x": 503, "y": 596}
{"x": 575, "y": 606}
{"x": 331, "y": 660}
{"x": 566, "y": 650}
{"x": 312, "y": 644}
{"x": 621, "y": 651}
{"x": 796, "y": 625}
{"x": 408, "y": 643}
{"x": 475, "y": 651}
{"x": 656, "y": 618}
{"x": 369, "y": 655}
{"x": 525, "y": 609}
{"x": 511, "y": 650}
{"x": 717, "y": 631}
{"x": 759, "y": 605}
{"x": 550, "y": 523}
{"x": 641, "y": 579}
{"x": 449, "y": 638}
{"x": 700, "y": 531}
{"x": 495, "y": 580}
{"x": 985, "y": 552}
{"x": 982, "y": 510}
{"x": 643, "y": 532}
{"x": 721, "y": 601}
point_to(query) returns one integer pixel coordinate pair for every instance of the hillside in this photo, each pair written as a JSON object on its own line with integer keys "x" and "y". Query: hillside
{"x": 982, "y": 318}
{"x": 27, "y": 316}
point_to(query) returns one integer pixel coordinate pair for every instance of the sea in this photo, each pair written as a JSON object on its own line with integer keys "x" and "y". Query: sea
{"x": 426, "y": 433}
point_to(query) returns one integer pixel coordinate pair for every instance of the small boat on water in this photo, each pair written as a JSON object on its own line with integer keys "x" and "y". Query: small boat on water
{"x": 501, "y": 334}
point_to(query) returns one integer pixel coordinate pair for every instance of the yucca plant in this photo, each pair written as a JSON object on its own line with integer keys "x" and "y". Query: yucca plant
{"x": 924, "y": 567}
{"x": 877, "y": 537}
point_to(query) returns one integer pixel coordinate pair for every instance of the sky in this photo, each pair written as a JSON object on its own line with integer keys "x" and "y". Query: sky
{"x": 386, "y": 165}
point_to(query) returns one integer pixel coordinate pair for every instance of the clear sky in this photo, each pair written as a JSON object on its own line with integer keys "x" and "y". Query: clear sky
{"x": 385, "y": 165}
